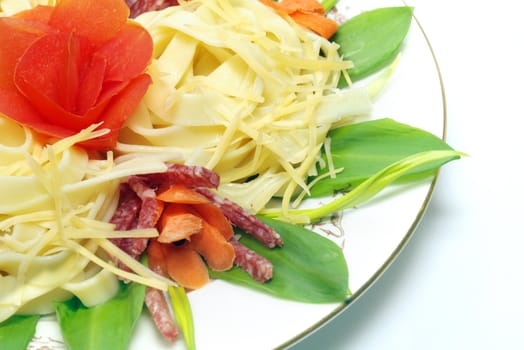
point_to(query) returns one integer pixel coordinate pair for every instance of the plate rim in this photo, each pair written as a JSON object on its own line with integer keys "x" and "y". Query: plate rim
{"x": 344, "y": 306}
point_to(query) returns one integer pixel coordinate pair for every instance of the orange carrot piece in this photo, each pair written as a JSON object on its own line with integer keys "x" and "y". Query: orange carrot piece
{"x": 178, "y": 222}
{"x": 181, "y": 194}
{"x": 215, "y": 217}
{"x": 185, "y": 266}
{"x": 218, "y": 253}
{"x": 156, "y": 258}
{"x": 308, "y": 13}
{"x": 292, "y": 6}
{"x": 320, "y": 24}
{"x": 274, "y": 5}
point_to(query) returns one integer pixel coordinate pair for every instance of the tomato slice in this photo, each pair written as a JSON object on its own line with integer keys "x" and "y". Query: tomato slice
{"x": 119, "y": 109}
{"x": 39, "y": 13}
{"x": 17, "y": 35}
{"x": 127, "y": 53}
{"x": 67, "y": 67}
{"x": 96, "y": 20}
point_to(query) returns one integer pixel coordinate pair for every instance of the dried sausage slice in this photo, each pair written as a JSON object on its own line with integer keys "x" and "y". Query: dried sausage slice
{"x": 138, "y": 7}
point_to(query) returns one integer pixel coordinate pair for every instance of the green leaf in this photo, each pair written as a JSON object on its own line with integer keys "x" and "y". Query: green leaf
{"x": 17, "y": 331}
{"x": 367, "y": 189}
{"x": 308, "y": 268}
{"x": 183, "y": 314}
{"x": 328, "y": 4}
{"x": 372, "y": 39}
{"x": 106, "y": 326}
{"x": 363, "y": 149}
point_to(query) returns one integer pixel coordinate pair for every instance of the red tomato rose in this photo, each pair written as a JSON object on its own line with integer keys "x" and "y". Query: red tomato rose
{"x": 64, "y": 68}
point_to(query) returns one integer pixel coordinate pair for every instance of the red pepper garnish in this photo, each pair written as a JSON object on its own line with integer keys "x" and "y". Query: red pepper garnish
{"x": 64, "y": 68}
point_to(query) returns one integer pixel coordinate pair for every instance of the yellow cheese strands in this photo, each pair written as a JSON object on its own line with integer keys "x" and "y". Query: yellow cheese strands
{"x": 54, "y": 230}
{"x": 244, "y": 91}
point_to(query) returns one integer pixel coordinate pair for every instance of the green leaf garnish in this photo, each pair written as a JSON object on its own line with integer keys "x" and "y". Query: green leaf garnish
{"x": 105, "y": 326}
{"x": 367, "y": 189}
{"x": 183, "y": 314}
{"x": 17, "y": 331}
{"x": 372, "y": 39}
{"x": 362, "y": 149}
{"x": 308, "y": 268}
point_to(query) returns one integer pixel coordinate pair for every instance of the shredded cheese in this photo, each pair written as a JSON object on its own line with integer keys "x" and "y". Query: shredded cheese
{"x": 54, "y": 230}
{"x": 244, "y": 91}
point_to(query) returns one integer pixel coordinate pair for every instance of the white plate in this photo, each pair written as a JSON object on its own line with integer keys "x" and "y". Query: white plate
{"x": 232, "y": 317}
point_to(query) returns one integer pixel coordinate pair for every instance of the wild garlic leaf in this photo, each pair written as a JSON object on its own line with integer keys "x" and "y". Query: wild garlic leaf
{"x": 105, "y": 326}
{"x": 372, "y": 39}
{"x": 17, "y": 331}
{"x": 308, "y": 268}
{"x": 362, "y": 149}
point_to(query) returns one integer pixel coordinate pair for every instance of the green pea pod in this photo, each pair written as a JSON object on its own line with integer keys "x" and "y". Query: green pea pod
{"x": 105, "y": 326}
{"x": 309, "y": 268}
{"x": 362, "y": 149}
{"x": 372, "y": 39}
{"x": 17, "y": 331}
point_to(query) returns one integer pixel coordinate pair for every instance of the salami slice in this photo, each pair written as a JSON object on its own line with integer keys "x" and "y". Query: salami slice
{"x": 258, "y": 267}
{"x": 159, "y": 310}
{"x": 187, "y": 175}
{"x": 126, "y": 213}
{"x": 138, "y": 7}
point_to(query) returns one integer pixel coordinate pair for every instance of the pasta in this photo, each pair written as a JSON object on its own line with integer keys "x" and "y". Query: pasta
{"x": 54, "y": 211}
{"x": 243, "y": 91}
{"x": 236, "y": 88}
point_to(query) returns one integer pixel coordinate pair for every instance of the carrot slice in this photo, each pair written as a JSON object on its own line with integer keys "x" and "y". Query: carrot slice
{"x": 185, "y": 266}
{"x": 320, "y": 24}
{"x": 292, "y": 6}
{"x": 218, "y": 253}
{"x": 215, "y": 217}
{"x": 156, "y": 258}
{"x": 181, "y": 194}
{"x": 308, "y": 13}
{"x": 177, "y": 223}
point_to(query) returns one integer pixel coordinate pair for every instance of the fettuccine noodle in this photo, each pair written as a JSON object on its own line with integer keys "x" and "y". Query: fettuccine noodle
{"x": 236, "y": 88}
{"x": 244, "y": 91}
{"x": 54, "y": 211}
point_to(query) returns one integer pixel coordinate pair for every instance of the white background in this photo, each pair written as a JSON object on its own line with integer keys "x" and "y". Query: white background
{"x": 459, "y": 282}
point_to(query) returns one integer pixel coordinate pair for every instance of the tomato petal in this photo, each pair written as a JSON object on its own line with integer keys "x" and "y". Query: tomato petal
{"x": 47, "y": 74}
{"x": 128, "y": 53}
{"x": 91, "y": 84}
{"x": 17, "y": 35}
{"x": 96, "y": 20}
{"x": 117, "y": 112}
{"x": 16, "y": 107}
{"x": 39, "y": 13}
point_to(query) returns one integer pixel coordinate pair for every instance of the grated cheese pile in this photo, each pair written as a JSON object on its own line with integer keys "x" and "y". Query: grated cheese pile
{"x": 241, "y": 90}
{"x": 54, "y": 232}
